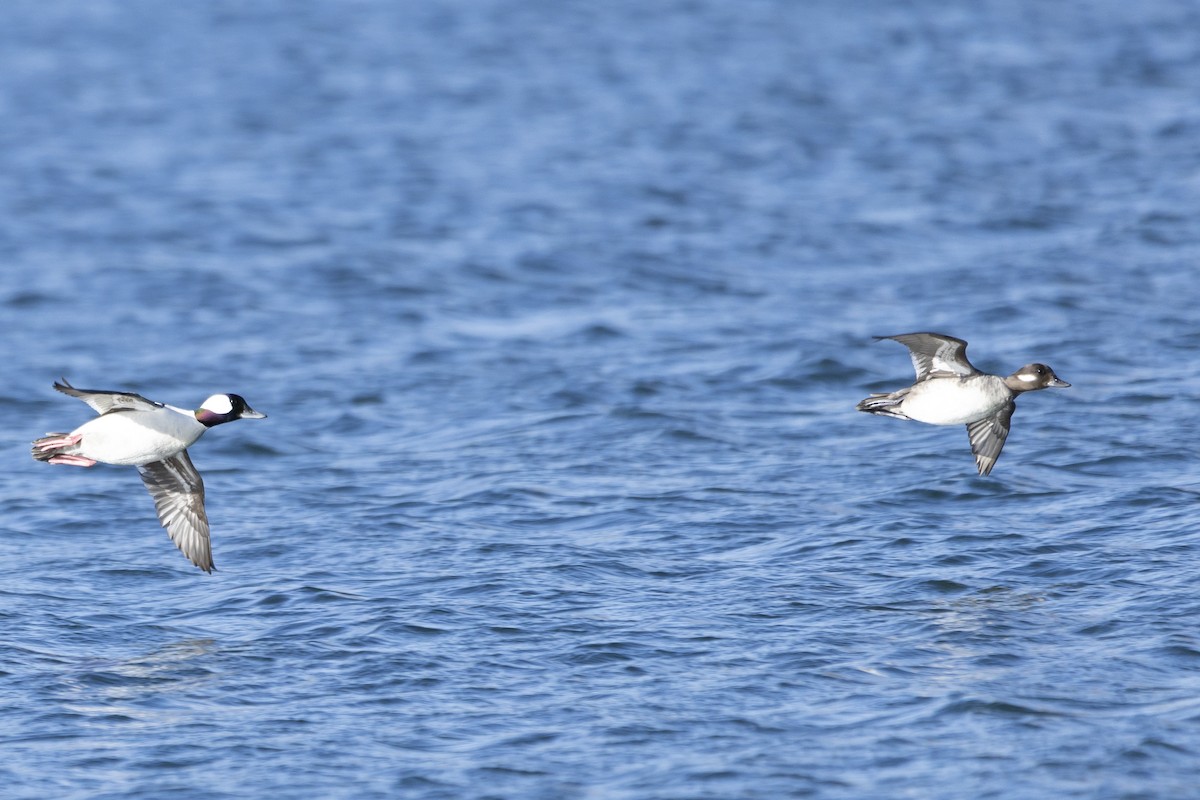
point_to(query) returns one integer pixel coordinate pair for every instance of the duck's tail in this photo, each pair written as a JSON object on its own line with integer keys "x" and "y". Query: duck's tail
{"x": 53, "y": 445}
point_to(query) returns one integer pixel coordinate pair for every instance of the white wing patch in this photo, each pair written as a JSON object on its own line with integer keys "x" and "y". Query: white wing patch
{"x": 218, "y": 404}
{"x": 935, "y": 354}
{"x": 103, "y": 402}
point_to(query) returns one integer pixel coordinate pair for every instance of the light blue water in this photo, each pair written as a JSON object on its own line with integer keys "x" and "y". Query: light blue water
{"x": 560, "y": 312}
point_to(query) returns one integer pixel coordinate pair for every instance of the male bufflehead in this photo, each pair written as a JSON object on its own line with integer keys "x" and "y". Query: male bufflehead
{"x": 154, "y": 437}
{"x": 949, "y": 391}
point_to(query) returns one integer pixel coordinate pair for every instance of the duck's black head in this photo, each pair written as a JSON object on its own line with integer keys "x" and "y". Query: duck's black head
{"x": 225, "y": 408}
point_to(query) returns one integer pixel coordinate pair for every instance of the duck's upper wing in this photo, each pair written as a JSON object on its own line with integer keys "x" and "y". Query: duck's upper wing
{"x": 987, "y": 437}
{"x": 178, "y": 494}
{"x": 104, "y": 402}
{"x": 935, "y": 354}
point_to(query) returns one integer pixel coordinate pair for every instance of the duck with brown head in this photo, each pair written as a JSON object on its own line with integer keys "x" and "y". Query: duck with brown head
{"x": 950, "y": 391}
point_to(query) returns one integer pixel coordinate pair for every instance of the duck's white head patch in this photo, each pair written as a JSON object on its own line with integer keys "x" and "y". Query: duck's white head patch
{"x": 1028, "y": 377}
{"x": 218, "y": 404}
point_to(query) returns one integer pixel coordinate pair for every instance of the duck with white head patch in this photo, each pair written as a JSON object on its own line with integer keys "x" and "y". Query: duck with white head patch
{"x": 154, "y": 437}
{"x": 950, "y": 391}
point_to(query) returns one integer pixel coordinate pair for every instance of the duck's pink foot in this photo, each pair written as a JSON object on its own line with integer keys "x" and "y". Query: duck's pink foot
{"x": 49, "y": 443}
{"x": 75, "y": 461}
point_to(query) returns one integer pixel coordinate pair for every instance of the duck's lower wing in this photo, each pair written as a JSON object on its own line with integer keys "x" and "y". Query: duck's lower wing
{"x": 178, "y": 494}
{"x": 987, "y": 437}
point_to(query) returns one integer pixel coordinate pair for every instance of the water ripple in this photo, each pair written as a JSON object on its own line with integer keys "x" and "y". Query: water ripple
{"x": 560, "y": 313}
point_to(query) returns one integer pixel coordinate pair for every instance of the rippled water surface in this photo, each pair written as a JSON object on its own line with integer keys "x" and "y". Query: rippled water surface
{"x": 560, "y": 312}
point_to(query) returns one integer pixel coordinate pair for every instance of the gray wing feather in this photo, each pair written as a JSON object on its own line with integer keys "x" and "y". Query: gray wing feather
{"x": 104, "y": 402}
{"x": 935, "y": 354}
{"x": 987, "y": 437}
{"x": 178, "y": 494}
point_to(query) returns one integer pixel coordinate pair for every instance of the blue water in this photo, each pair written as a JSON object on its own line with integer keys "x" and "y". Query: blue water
{"x": 560, "y": 311}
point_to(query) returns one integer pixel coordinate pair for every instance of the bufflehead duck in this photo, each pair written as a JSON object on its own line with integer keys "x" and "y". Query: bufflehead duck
{"x": 949, "y": 391}
{"x": 153, "y": 437}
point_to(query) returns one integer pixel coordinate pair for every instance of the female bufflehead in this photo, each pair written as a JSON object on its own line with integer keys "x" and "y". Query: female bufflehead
{"x": 949, "y": 391}
{"x": 154, "y": 437}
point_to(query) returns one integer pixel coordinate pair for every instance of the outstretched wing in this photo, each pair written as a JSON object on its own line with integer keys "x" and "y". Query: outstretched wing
{"x": 104, "y": 402}
{"x": 935, "y": 354}
{"x": 178, "y": 494}
{"x": 987, "y": 437}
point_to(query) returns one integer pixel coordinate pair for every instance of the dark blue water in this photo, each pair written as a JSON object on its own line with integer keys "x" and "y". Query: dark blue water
{"x": 560, "y": 311}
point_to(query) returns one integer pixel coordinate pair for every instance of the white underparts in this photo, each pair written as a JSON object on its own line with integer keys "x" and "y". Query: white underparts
{"x": 954, "y": 401}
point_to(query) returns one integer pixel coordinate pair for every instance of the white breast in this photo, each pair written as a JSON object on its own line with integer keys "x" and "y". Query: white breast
{"x": 137, "y": 437}
{"x": 955, "y": 401}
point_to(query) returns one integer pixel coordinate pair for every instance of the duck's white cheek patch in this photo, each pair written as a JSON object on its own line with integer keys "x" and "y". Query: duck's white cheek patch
{"x": 1028, "y": 378}
{"x": 218, "y": 404}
